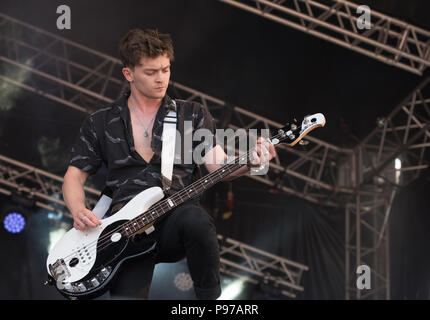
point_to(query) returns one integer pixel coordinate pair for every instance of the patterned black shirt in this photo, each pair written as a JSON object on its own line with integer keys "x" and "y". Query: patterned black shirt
{"x": 106, "y": 136}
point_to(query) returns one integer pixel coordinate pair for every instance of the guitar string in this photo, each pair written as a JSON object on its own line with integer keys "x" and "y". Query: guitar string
{"x": 106, "y": 238}
{"x": 105, "y": 241}
{"x": 166, "y": 207}
{"x": 199, "y": 183}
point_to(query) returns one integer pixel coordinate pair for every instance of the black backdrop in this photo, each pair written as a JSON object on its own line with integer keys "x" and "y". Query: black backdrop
{"x": 409, "y": 241}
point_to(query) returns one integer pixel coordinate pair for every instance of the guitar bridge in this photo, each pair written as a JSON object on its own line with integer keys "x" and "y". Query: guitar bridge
{"x": 59, "y": 271}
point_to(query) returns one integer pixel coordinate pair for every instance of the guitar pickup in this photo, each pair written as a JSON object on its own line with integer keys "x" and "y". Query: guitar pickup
{"x": 149, "y": 230}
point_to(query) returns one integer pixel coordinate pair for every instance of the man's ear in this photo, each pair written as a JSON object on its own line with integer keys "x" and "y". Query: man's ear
{"x": 128, "y": 74}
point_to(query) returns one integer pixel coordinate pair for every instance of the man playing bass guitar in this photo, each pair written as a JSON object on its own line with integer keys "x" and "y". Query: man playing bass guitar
{"x": 126, "y": 137}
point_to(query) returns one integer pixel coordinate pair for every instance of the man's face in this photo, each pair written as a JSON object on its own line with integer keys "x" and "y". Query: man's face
{"x": 150, "y": 77}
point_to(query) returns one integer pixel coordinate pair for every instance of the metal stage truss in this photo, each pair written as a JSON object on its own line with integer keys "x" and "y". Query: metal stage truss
{"x": 370, "y": 170}
{"x": 362, "y": 180}
{"x": 260, "y": 267}
{"x": 237, "y": 259}
{"x": 391, "y": 156}
{"x": 388, "y": 40}
{"x": 44, "y": 188}
{"x": 83, "y": 79}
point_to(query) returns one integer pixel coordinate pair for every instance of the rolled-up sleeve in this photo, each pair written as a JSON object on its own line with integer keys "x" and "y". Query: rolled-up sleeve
{"x": 85, "y": 153}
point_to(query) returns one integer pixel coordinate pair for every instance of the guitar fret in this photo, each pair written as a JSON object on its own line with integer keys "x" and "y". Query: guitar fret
{"x": 197, "y": 187}
{"x": 154, "y": 213}
{"x": 189, "y": 192}
{"x": 179, "y": 195}
{"x": 185, "y": 194}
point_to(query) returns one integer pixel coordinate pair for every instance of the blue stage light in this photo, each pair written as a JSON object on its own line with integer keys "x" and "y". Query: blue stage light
{"x": 14, "y": 222}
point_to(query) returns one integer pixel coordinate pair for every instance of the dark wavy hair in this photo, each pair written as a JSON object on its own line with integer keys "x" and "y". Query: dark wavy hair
{"x": 138, "y": 43}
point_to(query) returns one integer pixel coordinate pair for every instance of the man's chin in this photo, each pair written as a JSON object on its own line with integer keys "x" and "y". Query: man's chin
{"x": 156, "y": 96}
{"x": 153, "y": 94}
{"x": 159, "y": 95}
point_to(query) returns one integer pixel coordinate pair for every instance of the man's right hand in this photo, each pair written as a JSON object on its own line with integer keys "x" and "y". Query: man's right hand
{"x": 84, "y": 218}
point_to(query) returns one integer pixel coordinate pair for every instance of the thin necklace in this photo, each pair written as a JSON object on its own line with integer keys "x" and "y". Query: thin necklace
{"x": 145, "y": 133}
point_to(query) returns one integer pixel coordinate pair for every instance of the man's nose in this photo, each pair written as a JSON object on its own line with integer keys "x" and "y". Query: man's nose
{"x": 159, "y": 77}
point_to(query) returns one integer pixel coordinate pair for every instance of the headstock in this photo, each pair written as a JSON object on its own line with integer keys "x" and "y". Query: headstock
{"x": 293, "y": 132}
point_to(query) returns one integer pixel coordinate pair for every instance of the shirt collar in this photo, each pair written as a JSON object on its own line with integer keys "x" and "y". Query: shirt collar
{"x": 121, "y": 107}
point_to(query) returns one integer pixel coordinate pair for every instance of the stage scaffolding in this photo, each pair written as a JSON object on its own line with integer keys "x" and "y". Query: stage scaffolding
{"x": 391, "y": 156}
{"x": 401, "y": 138}
{"x": 389, "y": 40}
{"x": 362, "y": 180}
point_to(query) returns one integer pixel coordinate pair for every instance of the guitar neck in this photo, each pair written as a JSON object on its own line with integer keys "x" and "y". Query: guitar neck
{"x": 291, "y": 134}
{"x": 160, "y": 208}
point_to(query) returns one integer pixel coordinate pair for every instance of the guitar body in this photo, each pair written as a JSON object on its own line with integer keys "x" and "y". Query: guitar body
{"x": 84, "y": 262}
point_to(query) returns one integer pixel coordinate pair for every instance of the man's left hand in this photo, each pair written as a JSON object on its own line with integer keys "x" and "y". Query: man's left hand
{"x": 263, "y": 153}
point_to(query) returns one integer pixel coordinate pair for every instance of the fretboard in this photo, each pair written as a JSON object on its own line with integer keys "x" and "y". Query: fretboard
{"x": 193, "y": 190}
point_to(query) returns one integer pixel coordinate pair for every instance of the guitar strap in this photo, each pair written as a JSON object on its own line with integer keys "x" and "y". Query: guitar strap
{"x": 167, "y": 159}
{"x": 168, "y": 148}
{"x": 102, "y": 206}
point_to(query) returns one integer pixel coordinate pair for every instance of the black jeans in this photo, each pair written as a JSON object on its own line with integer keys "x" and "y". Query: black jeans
{"x": 189, "y": 232}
